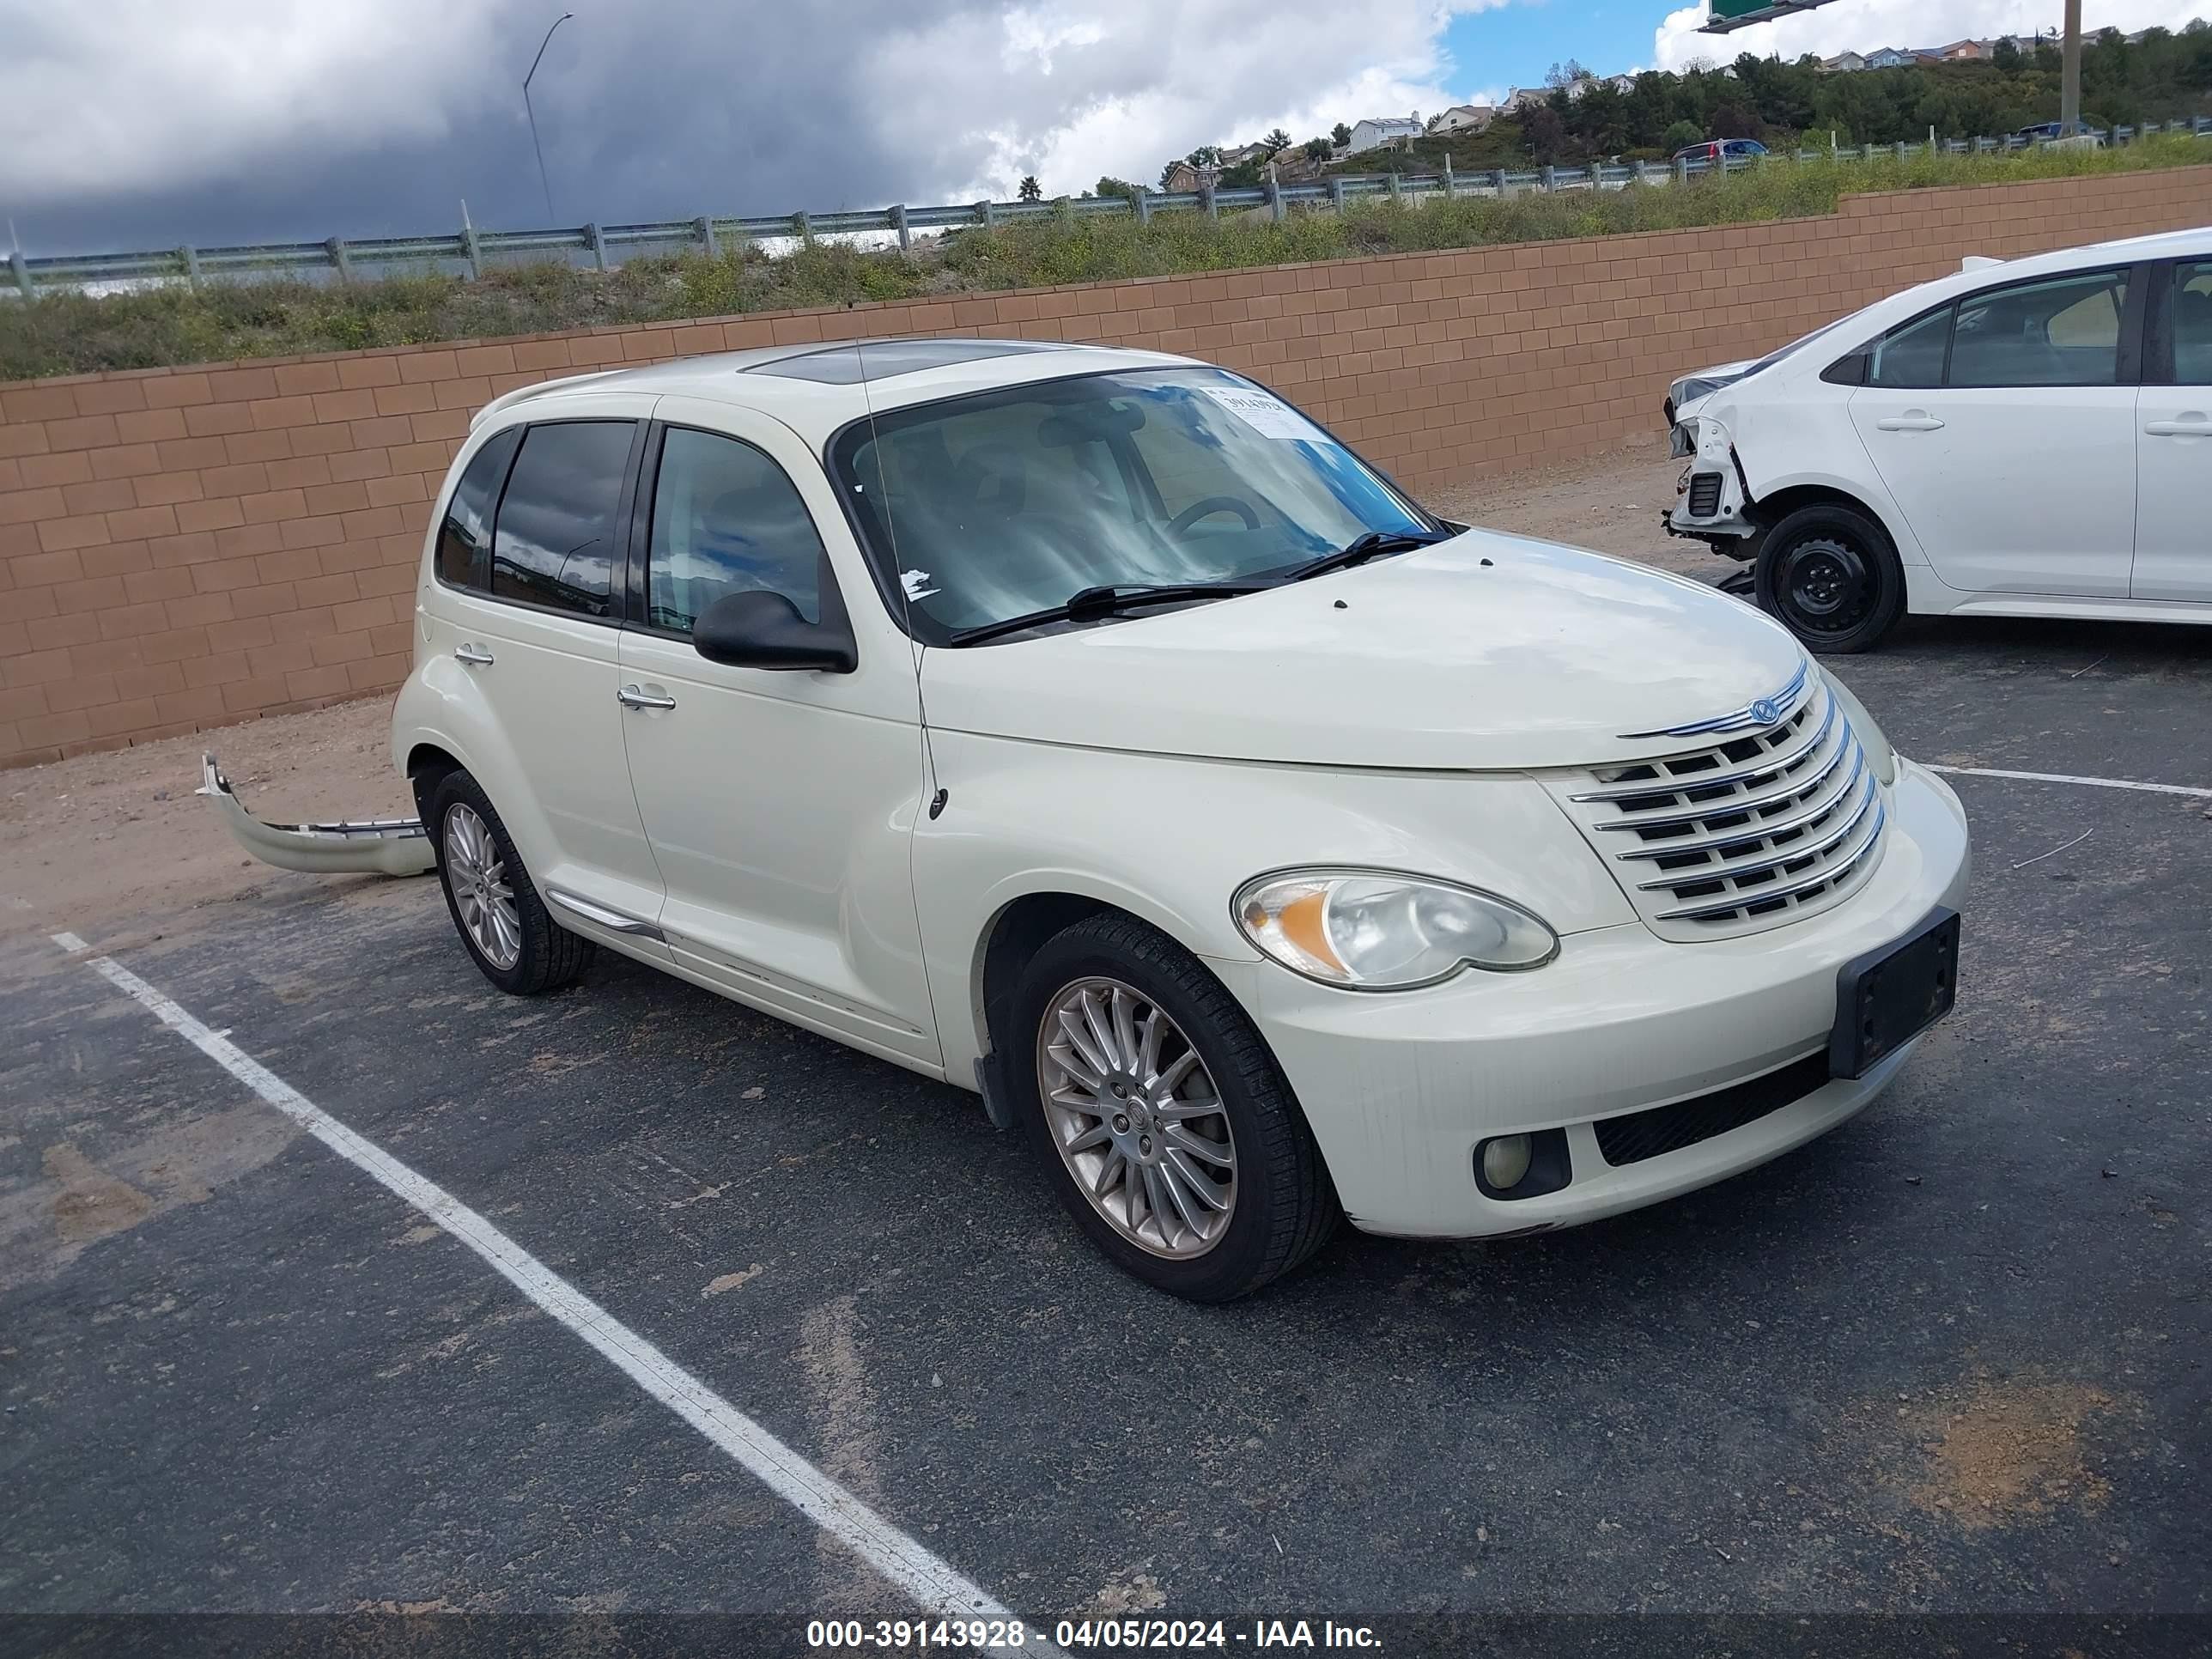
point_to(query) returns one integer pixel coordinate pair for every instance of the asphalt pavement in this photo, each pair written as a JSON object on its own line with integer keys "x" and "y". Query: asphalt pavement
{"x": 1947, "y": 1363}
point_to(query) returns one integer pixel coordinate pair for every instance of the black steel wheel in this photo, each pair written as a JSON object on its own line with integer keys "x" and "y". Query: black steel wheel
{"x": 1831, "y": 575}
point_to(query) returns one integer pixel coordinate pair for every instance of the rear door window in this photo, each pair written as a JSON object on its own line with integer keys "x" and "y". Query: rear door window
{"x": 465, "y": 538}
{"x": 2191, "y": 302}
{"x": 558, "y": 532}
{"x": 2065, "y": 331}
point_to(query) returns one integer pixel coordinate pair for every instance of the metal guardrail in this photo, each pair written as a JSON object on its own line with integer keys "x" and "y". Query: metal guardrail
{"x": 472, "y": 251}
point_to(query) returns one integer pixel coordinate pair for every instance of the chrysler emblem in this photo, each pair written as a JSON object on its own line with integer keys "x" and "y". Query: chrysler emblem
{"x": 1762, "y": 712}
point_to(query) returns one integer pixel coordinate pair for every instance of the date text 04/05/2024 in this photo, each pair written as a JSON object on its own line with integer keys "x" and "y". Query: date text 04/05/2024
{"x": 1087, "y": 1635}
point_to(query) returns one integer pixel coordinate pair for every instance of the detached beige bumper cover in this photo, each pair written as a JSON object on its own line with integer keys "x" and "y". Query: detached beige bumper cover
{"x": 391, "y": 847}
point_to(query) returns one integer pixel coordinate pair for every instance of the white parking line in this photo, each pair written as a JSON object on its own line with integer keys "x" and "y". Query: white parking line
{"x": 934, "y": 1584}
{"x": 2068, "y": 777}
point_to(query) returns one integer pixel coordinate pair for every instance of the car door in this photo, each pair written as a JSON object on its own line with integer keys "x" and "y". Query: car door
{"x": 532, "y": 616}
{"x": 2173, "y": 440}
{"x": 779, "y": 804}
{"x": 2003, "y": 425}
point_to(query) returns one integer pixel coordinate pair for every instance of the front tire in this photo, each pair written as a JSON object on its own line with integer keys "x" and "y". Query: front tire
{"x": 495, "y": 905}
{"x": 1831, "y": 575}
{"x": 1166, "y": 1126}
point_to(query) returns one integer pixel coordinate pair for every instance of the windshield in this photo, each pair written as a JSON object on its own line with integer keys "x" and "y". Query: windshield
{"x": 986, "y": 508}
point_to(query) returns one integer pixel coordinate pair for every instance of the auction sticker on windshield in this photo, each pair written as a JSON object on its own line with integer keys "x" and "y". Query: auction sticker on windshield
{"x": 1265, "y": 413}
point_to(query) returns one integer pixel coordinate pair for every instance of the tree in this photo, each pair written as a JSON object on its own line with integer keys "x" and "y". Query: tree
{"x": 1680, "y": 135}
{"x": 1317, "y": 149}
{"x": 1030, "y": 191}
{"x": 1544, "y": 132}
{"x": 1566, "y": 73}
{"x": 1205, "y": 155}
{"x": 1109, "y": 186}
{"x": 1277, "y": 141}
{"x": 2007, "y": 58}
{"x": 1340, "y": 135}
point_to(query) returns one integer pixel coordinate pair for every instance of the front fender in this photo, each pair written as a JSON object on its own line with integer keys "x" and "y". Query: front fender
{"x": 1169, "y": 840}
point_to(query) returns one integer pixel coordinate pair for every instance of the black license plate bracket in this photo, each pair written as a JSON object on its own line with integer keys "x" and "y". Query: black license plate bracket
{"x": 1889, "y": 996}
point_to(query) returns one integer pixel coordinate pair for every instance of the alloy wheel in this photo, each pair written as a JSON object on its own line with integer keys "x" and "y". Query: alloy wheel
{"x": 1136, "y": 1118}
{"x": 482, "y": 892}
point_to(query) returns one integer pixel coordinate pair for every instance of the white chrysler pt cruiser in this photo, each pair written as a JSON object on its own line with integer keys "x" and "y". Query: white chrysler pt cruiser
{"x": 1090, "y": 729}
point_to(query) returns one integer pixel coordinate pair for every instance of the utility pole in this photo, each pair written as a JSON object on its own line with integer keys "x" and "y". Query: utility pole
{"x": 2069, "y": 79}
{"x": 544, "y": 183}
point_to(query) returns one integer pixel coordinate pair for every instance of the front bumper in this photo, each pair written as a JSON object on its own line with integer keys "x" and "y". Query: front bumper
{"x": 1400, "y": 1089}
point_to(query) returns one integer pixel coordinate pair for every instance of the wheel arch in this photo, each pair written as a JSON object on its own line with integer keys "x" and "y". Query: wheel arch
{"x": 427, "y": 765}
{"x": 1777, "y": 502}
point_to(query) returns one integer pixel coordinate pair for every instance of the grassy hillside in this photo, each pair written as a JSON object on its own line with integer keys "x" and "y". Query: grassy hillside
{"x": 72, "y": 333}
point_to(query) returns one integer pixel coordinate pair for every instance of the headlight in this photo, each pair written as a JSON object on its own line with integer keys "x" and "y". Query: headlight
{"x": 1880, "y": 755}
{"x": 1376, "y": 930}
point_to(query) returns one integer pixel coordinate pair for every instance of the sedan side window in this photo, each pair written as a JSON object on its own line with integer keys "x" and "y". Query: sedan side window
{"x": 556, "y": 536}
{"x": 465, "y": 538}
{"x": 726, "y": 520}
{"x": 2192, "y": 324}
{"x": 2061, "y": 333}
{"x": 1912, "y": 355}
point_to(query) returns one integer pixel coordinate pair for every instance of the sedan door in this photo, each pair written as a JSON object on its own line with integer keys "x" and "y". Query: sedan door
{"x": 2004, "y": 427}
{"x": 2173, "y": 441}
{"x": 779, "y": 803}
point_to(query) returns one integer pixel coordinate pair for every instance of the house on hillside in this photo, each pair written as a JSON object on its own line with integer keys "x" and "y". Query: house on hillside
{"x": 1378, "y": 131}
{"x": 1463, "y": 117}
{"x": 1181, "y": 178}
{"x": 1843, "y": 63}
{"x": 1623, "y": 84}
{"x": 1966, "y": 51}
{"x": 1891, "y": 58}
{"x": 1521, "y": 98}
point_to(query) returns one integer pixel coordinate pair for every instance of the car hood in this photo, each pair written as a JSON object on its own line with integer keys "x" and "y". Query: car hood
{"x": 1704, "y": 382}
{"x": 1486, "y": 652}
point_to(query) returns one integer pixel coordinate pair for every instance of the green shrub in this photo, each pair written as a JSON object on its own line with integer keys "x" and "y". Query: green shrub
{"x": 66, "y": 333}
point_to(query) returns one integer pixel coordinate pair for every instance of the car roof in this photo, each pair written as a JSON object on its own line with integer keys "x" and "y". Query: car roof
{"x": 1885, "y": 313}
{"x": 817, "y": 386}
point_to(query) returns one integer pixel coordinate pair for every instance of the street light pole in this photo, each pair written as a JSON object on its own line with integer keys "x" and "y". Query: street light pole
{"x": 2070, "y": 74}
{"x": 544, "y": 183}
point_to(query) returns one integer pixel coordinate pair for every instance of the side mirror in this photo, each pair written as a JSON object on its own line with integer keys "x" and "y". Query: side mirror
{"x": 758, "y": 629}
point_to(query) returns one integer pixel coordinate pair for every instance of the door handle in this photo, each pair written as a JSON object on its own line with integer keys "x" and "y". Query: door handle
{"x": 1913, "y": 420}
{"x": 632, "y": 696}
{"x": 2190, "y": 426}
{"x": 475, "y": 655}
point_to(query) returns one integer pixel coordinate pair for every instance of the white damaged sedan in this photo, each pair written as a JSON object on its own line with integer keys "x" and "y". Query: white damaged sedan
{"x": 1088, "y": 729}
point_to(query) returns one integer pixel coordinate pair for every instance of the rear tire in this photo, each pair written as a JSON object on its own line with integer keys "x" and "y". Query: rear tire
{"x": 1831, "y": 576}
{"x": 1281, "y": 1206}
{"x": 521, "y": 949}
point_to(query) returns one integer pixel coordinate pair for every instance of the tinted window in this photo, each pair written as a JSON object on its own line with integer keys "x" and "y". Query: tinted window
{"x": 726, "y": 519}
{"x": 2063, "y": 332}
{"x": 558, "y": 536}
{"x": 2192, "y": 324}
{"x": 465, "y": 535}
{"x": 1913, "y": 355}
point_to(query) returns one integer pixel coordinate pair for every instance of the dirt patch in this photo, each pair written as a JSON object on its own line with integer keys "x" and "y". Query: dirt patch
{"x": 1611, "y": 503}
{"x": 88, "y": 841}
{"x": 92, "y": 1203}
{"x": 2004, "y": 1452}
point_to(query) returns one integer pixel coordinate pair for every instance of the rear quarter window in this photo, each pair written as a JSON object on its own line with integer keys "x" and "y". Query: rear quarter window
{"x": 464, "y": 536}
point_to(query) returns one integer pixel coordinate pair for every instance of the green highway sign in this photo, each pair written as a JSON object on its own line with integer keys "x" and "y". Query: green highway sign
{"x": 1726, "y": 15}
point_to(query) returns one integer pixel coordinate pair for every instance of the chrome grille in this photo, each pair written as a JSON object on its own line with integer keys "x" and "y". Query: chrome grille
{"x": 1749, "y": 833}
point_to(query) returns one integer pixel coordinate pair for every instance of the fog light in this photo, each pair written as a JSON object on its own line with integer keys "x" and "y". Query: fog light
{"x": 1504, "y": 1161}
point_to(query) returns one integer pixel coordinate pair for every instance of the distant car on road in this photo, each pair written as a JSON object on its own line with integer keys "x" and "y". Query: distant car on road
{"x": 2044, "y": 132}
{"x": 1718, "y": 152}
{"x": 2026, "y": 437}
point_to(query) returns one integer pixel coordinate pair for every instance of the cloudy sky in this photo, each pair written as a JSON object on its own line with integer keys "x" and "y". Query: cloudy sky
{"x": 149, "y": 122}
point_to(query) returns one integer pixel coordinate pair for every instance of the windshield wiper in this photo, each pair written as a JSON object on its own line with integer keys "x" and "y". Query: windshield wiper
{"x": 1360, "y": 549}
{"x": 1108, "y": 601}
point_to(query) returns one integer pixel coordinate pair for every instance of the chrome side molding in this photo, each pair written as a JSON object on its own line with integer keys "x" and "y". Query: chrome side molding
{"x": 614, "y": 920}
